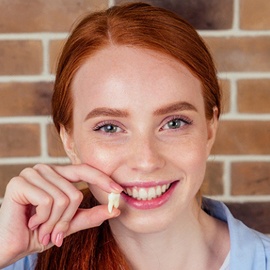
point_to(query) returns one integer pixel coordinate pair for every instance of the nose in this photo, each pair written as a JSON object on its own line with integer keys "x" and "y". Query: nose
{"x": 145, "y": 155}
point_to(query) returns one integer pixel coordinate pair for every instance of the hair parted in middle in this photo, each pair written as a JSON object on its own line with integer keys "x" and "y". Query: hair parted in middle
{"x": 138, "y": 25}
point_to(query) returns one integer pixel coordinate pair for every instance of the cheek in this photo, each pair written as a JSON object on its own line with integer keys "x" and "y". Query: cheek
{"x": 192, "y": 160}
{"x": 195, "y": 166}
{"x": 101, "y": 158}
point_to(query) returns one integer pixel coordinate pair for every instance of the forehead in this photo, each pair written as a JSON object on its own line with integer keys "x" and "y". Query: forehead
{"x": 114, "y": 58}
{"x": 118, "y": 74}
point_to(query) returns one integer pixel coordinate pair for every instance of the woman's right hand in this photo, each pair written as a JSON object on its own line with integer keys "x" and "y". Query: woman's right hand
{"x": 41, "y": 207}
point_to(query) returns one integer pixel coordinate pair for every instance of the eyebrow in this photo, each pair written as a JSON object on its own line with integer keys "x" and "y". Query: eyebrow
{"x": 174, "y": 107}
{"x": 103, "y": 111}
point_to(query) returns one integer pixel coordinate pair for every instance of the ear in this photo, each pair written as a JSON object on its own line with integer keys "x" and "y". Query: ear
{"x": 212, "y": 126}
{"x": 69, "y": 145}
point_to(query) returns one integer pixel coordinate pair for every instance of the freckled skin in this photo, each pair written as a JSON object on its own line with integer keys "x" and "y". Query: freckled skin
{"x": 143, "y": 147}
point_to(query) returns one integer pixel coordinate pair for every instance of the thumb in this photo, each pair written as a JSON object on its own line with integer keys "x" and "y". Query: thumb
{"x": 89, "y": 218}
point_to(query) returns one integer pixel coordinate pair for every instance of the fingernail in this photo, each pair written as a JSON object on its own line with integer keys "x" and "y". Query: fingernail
{"x": 59, "y": 239}
{"x": 116, "y": 187}
{"x": 46, "y": 239}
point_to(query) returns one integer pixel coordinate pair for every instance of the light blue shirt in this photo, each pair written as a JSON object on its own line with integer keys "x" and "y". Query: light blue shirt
{"x": 250, "y": 250}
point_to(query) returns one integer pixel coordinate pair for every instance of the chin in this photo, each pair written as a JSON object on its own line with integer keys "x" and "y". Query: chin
{"x": 142, "y": 222}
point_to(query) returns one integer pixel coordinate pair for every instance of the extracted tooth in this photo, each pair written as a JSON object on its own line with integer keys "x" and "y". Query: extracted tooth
{"x": 113, "y": 201}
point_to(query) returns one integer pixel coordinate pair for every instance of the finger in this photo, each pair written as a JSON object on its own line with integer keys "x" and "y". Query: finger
{"x": 58, "y": 200}
{"x": 35, "y": 246}
{"x": 90, "y": 218}
{"x": 23, "y": 193}
{"x": 84, "y": 172}
{"x": 59, "y": 224}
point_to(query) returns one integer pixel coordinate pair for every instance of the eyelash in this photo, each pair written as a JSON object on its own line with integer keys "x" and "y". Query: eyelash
{"x": 101, "y": 125}
{"x": 182, "y": 119}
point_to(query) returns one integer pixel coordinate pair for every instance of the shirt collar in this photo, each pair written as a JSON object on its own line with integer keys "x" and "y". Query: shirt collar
{"x": 246, "y": 246}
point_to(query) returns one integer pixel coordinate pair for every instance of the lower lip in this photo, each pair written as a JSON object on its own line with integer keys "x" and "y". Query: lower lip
{"x": 150, "y": 204}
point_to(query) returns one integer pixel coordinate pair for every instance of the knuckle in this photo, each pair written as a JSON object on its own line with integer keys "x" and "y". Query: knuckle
{"x": 13, "y": 183}
{"x": 62, "y": 201}
{"x": 63, "y": 225}
{"x": 77, "y": 197}
{"x": 47, "y": 200}
{"x": 37, "y": 166}
{"x": 26, "y": 171}
{"x": 41, "y": 167}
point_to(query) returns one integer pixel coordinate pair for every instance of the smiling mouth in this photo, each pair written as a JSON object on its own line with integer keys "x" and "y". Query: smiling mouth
{"x": 146, "y": 194}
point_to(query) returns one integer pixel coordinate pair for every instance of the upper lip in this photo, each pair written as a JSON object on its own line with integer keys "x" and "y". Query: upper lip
{"x": 147, "y": 184}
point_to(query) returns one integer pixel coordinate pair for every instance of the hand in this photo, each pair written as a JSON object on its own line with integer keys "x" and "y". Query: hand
{"x": 40, "y": 208}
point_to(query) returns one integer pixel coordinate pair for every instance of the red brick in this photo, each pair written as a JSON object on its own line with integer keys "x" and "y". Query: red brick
{"x": 210, "y": 14}
{"x": 254, "y": 15}
{"x": 55, "y": 146}
{"x": 55, "y": 51}
{"x": 242, "y": 138}
{"x": 250, "y": 178}
{"x": 20, "y": 99}
{"x": 213, "y": 183}
{"x": 20, "y": 57}
{"x": 253, "y": 96}
{"x": 19, "y": 140}
{"x": 7, "y": 172}
{"x": 226, "y": 91}
{"x": 254, "y": 214}
{"x": 240, "y": 53}
{"x": 49, "y": 15}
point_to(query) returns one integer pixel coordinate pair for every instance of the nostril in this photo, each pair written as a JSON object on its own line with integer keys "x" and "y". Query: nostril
{"x": 145, "y": 154}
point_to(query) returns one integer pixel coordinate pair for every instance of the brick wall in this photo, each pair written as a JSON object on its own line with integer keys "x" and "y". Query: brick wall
{"x": 238, "y": 34}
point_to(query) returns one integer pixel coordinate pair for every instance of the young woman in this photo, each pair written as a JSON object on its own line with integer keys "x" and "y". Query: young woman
{"x": 136, "y": 103}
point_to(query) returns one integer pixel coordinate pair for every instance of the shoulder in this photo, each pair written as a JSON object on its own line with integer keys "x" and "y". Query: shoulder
{"x": 248, "y": 247}
{"x": 26, "y": 263}
{"x": 265, "y": 241}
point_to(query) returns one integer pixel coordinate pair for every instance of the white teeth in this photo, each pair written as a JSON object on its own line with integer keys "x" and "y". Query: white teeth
{"x": 142, "y": 194}
{"x": 113, "y": 201}
{"x": 151, "y": 193}
{"x": 146, "y": 193}
{"x": 158, "y": 190}
{"x": 135, "y": 193}
{"x": 163, "y": 188}
{"x": 129, "y": 191}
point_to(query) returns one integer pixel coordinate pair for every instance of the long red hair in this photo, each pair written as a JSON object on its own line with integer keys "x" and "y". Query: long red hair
{"x": 139, "y": 25}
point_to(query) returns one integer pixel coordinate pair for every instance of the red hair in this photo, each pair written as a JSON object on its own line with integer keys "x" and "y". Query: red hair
{"x": 139, "y": 25}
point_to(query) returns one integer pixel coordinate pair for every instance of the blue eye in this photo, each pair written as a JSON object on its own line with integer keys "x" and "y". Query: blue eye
{"x": 107, "y": 128}
{"x": 176, "y": 123}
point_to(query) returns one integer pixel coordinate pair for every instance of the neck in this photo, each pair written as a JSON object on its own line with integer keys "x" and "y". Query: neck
{"x": 176, "y": 247}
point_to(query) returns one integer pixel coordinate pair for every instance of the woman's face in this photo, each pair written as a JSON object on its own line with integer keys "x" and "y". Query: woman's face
{"x": 139, "y": 117}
